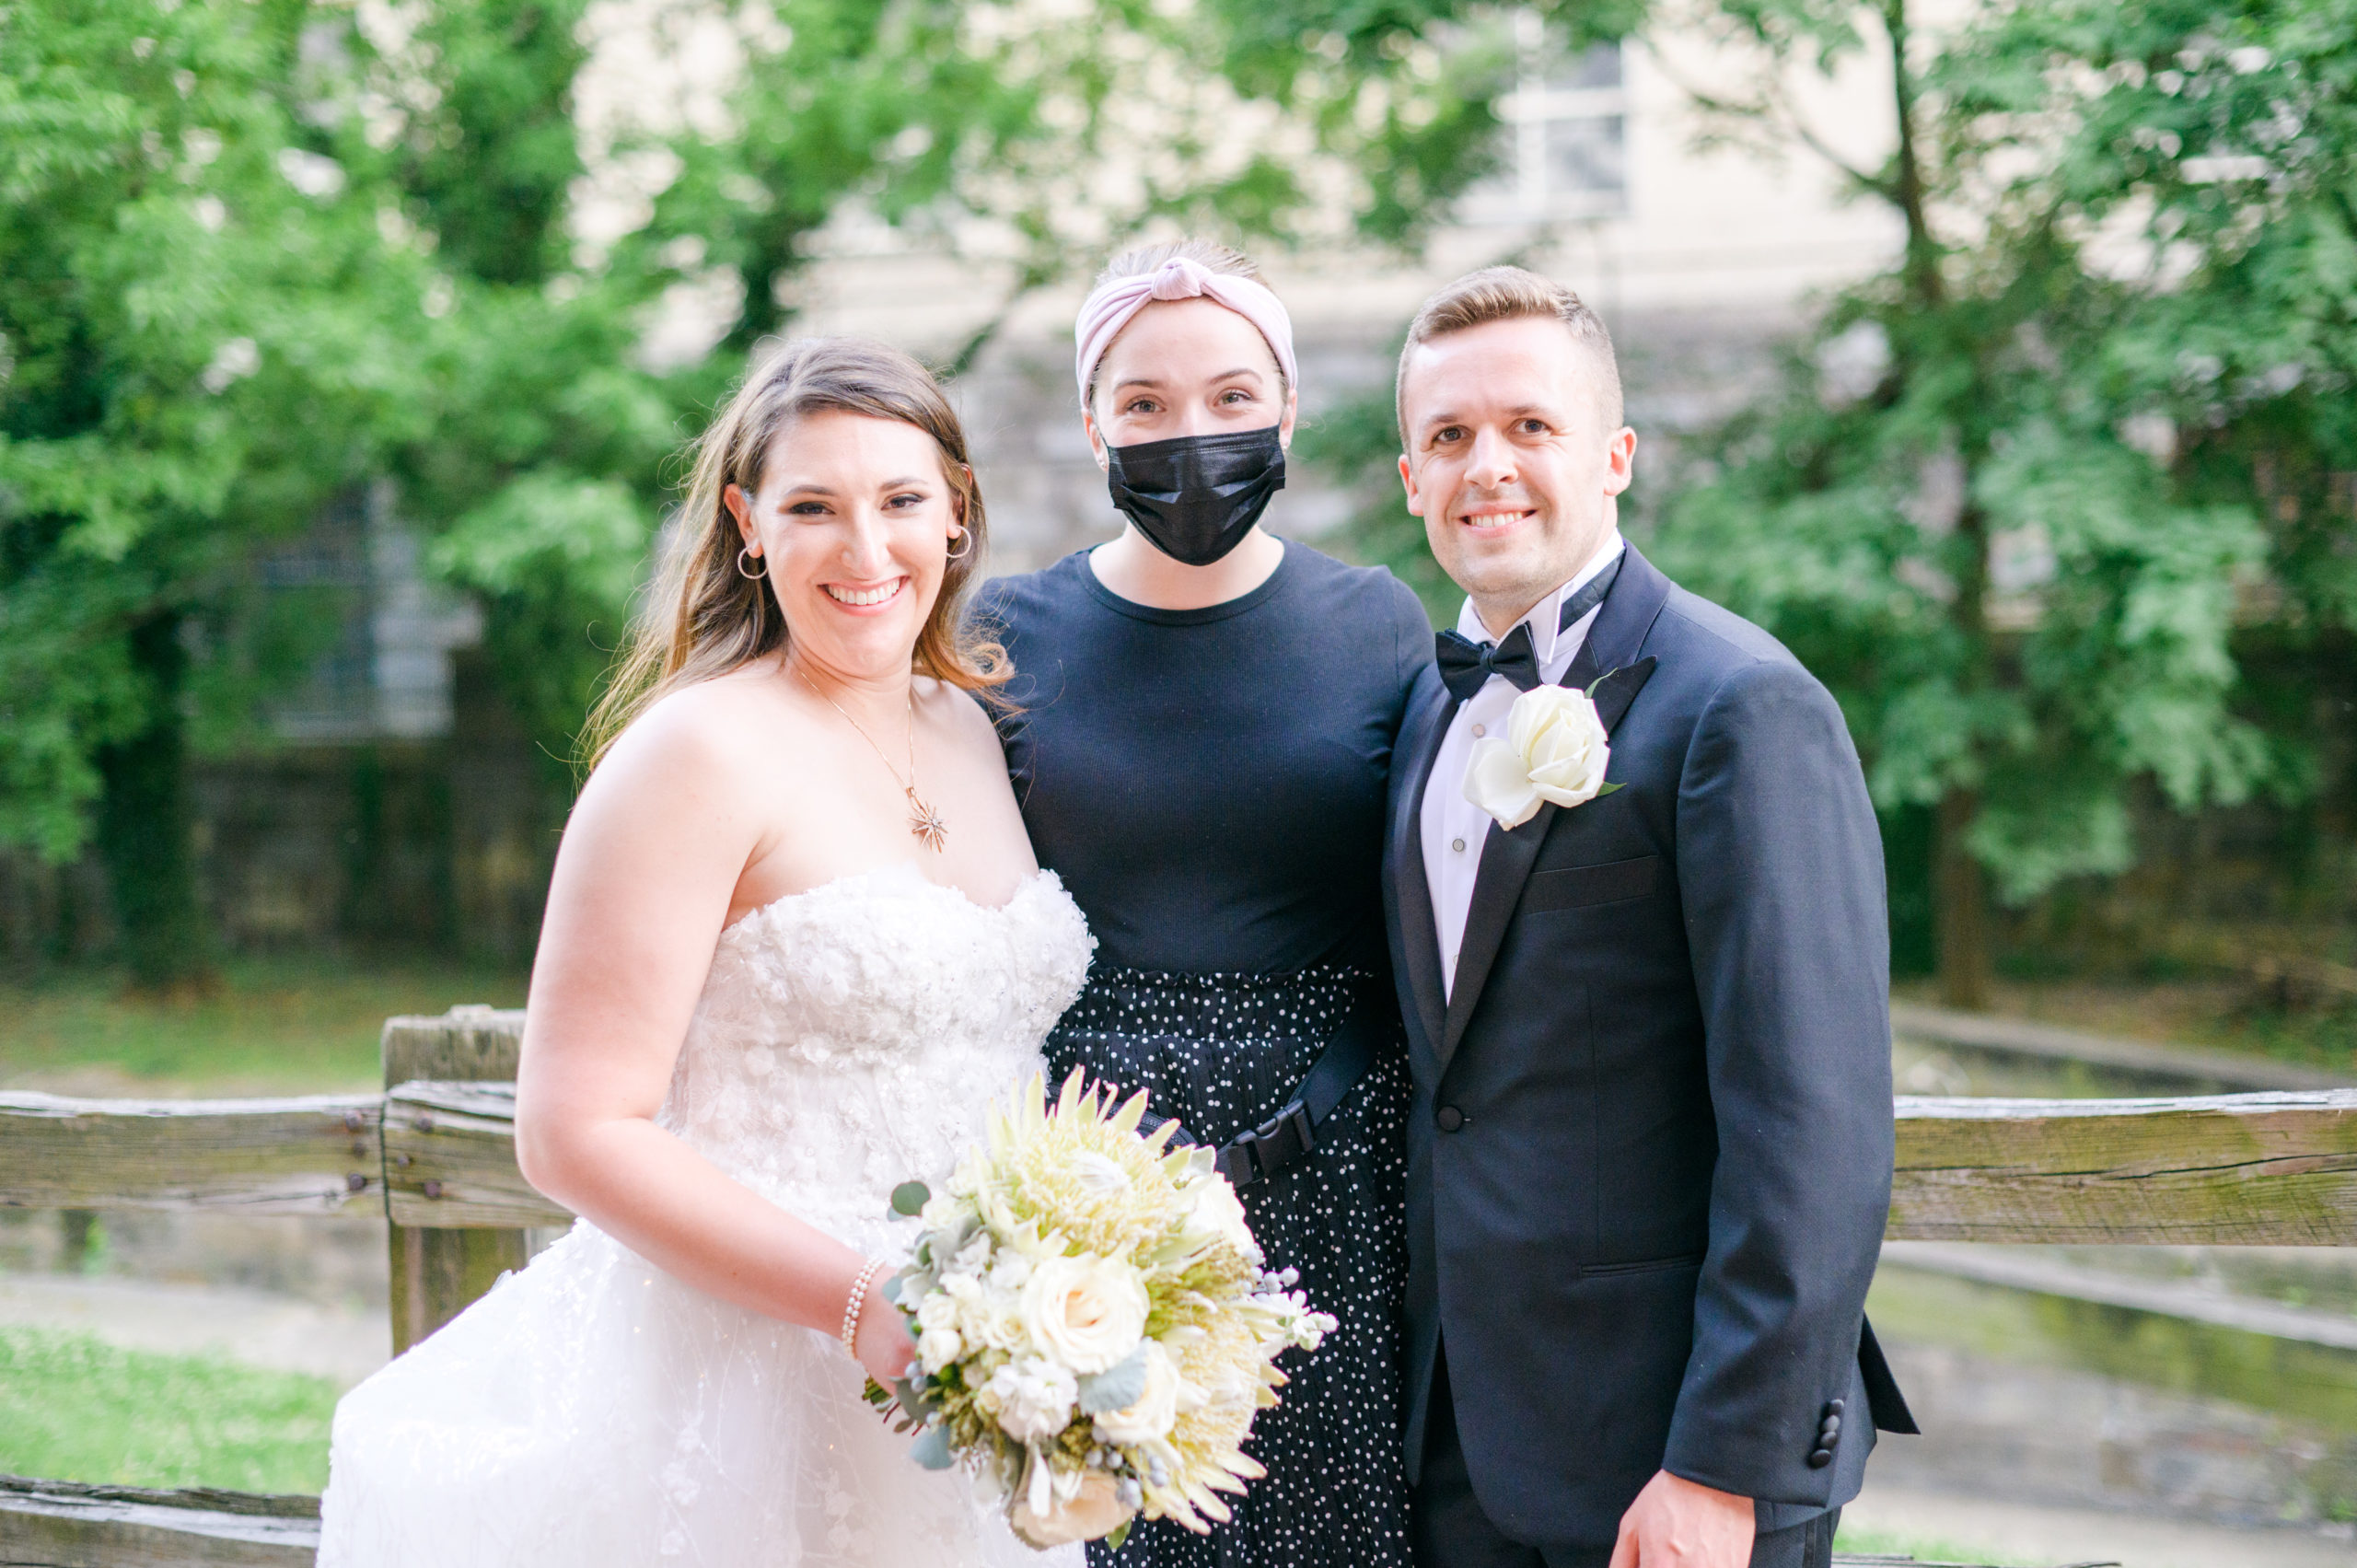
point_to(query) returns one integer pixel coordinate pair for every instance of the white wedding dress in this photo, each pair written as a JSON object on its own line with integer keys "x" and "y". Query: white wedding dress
{"x": 592, "y": 1411}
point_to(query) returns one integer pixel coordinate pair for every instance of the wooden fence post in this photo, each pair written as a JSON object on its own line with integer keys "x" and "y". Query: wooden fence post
{"x": 437, "y": 1272}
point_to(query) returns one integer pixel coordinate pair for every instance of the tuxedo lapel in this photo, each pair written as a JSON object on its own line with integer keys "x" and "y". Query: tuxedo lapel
{"x": 1614, "y": 689}
{"x": 1619, "y": 630}
{"x": 1507, "y": 855}
{"x": 1419, "y": 739}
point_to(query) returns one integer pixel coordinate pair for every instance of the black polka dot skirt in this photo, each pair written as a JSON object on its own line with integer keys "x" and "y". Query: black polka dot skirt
{"x": 1221, "y": 1053}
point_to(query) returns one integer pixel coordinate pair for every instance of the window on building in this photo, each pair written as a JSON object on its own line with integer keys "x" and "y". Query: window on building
{"x": 1566, "y": 124}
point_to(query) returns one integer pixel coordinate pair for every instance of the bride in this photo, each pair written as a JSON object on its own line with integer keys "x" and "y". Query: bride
{"x": 796, "y": 943}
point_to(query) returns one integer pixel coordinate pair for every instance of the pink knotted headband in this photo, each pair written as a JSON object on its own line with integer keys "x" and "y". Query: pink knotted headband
{"x": 1108, "y": 309}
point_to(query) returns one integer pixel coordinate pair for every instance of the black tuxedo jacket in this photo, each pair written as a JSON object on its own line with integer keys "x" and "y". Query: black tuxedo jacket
{"x": 1649, "y": 1151}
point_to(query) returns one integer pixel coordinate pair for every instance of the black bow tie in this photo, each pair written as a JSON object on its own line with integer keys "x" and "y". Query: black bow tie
{"x": 1465, "y": 665}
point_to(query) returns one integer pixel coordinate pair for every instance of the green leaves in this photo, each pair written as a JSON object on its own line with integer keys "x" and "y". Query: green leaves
{"x": 197, "y": 352}
{"x": 910, "y": 1197}
{"x": 547, "y": 527}
{"x": 2112, "y": 390}
{"x": 257, "y": 258}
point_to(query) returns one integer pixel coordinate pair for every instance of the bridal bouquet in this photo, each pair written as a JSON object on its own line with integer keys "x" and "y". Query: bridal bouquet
{"x": 1094, "y": 1325}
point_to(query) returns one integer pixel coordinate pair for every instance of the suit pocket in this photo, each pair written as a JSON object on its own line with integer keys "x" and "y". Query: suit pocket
{"x": 1577, "y": 886}
{"x": 1645, "y": 1266}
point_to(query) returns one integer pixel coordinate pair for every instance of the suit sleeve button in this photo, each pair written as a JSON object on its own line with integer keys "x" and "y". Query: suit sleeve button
{"x": 1448, "y": 1119}
{"x": 1820, "y": 1458}
{"x": 1833, "y": 1407}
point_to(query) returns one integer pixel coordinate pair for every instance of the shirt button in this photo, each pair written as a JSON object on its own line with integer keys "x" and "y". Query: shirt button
{"x": 1456, "y": 845}
{"x": 1480, "y": 730}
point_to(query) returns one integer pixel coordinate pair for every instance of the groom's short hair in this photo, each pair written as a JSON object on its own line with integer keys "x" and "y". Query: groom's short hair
{"x": 1512, "y": 293}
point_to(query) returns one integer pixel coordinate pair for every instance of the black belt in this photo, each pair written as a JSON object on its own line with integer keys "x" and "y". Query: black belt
{"x": 1261, "y": 1153}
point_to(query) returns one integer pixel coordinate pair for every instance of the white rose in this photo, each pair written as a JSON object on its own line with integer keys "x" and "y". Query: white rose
{"x": 1096, "y": 1511}
{"x": 1554, "y": 750}
{"x": 1087, "y": 1311}
{"x": 938, "y": 1310}
{"x": 1561, "y": 739}
{"x": 939, "y": 1347}
{"x": 1035, "y": 1397}
{"x": 994, "y": 1320}
{"x": 1156, "y": 1408}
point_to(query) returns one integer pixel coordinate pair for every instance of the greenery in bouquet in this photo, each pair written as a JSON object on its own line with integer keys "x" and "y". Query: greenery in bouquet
{"x": 1095, "y": 1327}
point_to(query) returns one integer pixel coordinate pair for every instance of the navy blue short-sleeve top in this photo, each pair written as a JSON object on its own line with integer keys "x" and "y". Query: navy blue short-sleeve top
{"x": 1209, "y": 784}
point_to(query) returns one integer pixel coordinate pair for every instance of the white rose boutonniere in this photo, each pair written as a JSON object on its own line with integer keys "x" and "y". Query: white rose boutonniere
{"x": 1554, "y": 750}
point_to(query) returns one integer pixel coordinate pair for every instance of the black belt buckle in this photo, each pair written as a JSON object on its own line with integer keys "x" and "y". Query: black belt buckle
{"x": 1269, "y": 1147}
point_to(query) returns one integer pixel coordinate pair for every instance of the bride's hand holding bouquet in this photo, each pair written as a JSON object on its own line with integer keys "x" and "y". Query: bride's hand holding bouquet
{"x": 1095, "y": 1326}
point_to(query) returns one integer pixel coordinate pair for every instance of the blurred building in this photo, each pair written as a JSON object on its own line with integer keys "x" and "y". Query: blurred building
{"x": 1702, "y": 260}
{"x": 390, "y": 800}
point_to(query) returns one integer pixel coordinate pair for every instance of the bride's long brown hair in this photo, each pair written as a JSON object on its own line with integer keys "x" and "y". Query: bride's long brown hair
{"x": 704, "y": 618}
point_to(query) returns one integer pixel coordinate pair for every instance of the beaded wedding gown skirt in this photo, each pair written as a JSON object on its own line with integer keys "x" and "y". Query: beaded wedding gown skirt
{"x": 592, "y": 1411}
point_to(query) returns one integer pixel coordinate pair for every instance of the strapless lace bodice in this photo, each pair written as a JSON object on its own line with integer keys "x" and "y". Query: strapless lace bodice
{"x": 849, "y": 1038}
{"x": 592, "y": 1412}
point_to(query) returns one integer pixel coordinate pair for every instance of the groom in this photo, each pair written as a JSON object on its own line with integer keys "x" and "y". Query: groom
{"x": 1650, "y": 1152}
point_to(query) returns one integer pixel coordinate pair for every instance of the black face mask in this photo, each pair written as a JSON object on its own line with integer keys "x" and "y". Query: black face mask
{"x": 1197, "y": 496}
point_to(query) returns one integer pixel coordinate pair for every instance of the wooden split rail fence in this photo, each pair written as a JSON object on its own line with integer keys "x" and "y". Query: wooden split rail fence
{"x": 434, "y": 1155}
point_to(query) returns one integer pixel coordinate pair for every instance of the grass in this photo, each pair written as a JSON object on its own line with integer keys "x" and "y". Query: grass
{"x": 1882, "y": 1543}
{"x": 73, "y": 1408}
{"x": 276, "y": 1026}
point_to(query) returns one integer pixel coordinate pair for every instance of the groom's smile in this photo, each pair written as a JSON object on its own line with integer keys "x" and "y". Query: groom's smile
{"x": 1496, "y": 516}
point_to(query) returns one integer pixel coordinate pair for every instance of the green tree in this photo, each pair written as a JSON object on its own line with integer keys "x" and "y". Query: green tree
{"x": 191, "y": 355}
{"x": 536, "y": 458}
{"x": 2037, "y": 498}
{"x": 2025, "y": 606}
{"x": 255, "y": 257}
{"x": 1032, "y": 139}
{"x": 2220, "y": 148}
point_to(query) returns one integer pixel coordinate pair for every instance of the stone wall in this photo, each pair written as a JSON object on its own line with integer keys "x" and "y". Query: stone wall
{"x": 442, "y": 844}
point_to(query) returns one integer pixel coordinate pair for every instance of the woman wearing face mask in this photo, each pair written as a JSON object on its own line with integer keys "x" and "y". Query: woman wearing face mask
{"x": 1201, "y": 739}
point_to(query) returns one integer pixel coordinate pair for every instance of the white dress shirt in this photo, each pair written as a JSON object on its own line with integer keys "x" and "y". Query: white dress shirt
{"x": 1453, "y": 827}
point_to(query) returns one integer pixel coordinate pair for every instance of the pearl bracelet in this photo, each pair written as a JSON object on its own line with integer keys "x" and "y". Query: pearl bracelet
{"x": 858, "y": 1300}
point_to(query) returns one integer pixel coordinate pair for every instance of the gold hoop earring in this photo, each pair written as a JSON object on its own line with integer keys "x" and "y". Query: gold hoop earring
{"x": 746, "y": 554}
{"x": 967, "y": 535}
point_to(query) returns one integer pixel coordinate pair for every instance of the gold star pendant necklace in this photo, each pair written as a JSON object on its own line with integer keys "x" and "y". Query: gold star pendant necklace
{"x": 923, "y": 820}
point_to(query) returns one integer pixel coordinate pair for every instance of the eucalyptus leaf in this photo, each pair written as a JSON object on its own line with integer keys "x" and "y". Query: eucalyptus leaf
{"x": 932, "y": 1450}
{"x": 910, "y": 1197}
{"x": 1118, "y": 1387}
{"x": 915, "y": 1396}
